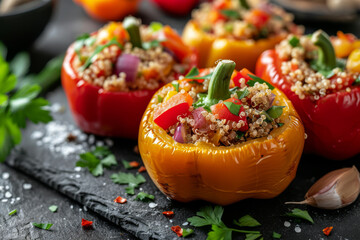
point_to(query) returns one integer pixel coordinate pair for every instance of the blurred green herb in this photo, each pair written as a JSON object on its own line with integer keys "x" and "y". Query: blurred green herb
{"x": 45, "y": 226}
{"x": 132, "y": 180}
{"x": 145, "y": 197}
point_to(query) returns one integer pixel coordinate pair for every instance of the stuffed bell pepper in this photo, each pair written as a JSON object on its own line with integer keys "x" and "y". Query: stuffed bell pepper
{"x": 231, "y": 29}
{"x": 325, "y": 91}
{"x": 110, "y": 76}
{"x": 201, "y": 139}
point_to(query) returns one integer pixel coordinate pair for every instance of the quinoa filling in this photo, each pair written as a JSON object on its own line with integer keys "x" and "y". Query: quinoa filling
{"x": 299, "y": 65}
{"x": 250, "y": 112}
{"x": 124, "y": 65}
{"x": 238, "y": 20}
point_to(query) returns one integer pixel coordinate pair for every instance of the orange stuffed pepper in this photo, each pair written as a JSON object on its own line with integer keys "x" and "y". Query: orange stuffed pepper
{"x": 230, "y": 29}
{"x": 201, "y": 139}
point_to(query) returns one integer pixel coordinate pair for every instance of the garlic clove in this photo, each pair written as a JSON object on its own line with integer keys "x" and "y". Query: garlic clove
{"x": 335, "y": 190}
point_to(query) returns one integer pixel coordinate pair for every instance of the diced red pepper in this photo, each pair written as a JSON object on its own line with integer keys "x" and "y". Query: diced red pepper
{"x": 258, "y": 18}
{"x": 244, "y": 73}
{"x": 141, "y": 169}
{"x": 169, "y": 214}
{"x": 120, "y": 200}
{"x": 178, "y": 230}
{"x": 134, "y": 164}
{"x": 86, "y": 224}
{"x": 167, "y": 114}
{"x": 327, "y": 230}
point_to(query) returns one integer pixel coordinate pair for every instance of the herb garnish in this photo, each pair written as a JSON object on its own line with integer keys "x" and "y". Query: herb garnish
{"x": 298, "y": 213}
{"x": 155, "y": 26}
{"x": 276, "y": 235}
{"x": 242, "y": 93}
{"x": 230, "y": 13}
{"x": 83, "y": 40}
{"x": 254, "y": 79}
{"x": 152, "y": 44}
{"x": 13, "y": 212}
{"x": 294, "y": 41}
{"x": 53, "y": 208}
{"x": 233, "y": 108}
{"x": 159, "y": 98}
{"x": 98, "y": 50}
{"x": 97, "y": 159}
{"x": 247, "y": 221}
{"x": 275, "y": 111}
{"x": 176, "y": 86}
{"x": 45, "y": 226}
{"x": 194, "y": 74}
{"x": 357, "y": 81}
{"x": 186, "y": 232}
{"x": 145, "y": 197}
{"x": 132, "y": 180}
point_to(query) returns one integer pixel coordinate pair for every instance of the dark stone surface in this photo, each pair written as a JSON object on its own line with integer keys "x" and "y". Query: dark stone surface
{"x": 45, "y": 155}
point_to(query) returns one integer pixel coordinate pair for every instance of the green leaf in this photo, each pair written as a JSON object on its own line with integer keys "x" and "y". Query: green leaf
{"x": 127, "y": 164}
{"x": 302, "y": 214}
{"x": 243, "y": 93}
{"x": 255, "y": 79}
{"x": 176, "y": 86}
{"x": 186, "y": 232}
{"x": 109, "y": 161}
{"x": 294, "y": 41}
{"x": 145, "y": 197}
{"x": 252, "y": 236}
{"x": 207, "y": 216}
{"x": 230, "y": 13}
{"x": 194, "y": 72}
{"x": 155, "y": 26}
{"x": 239, "y": 134}
{"x": 7, "y": 82}
{"x": 151, "y": 44}
{"x": 247, "y": 221}
{"x": 45, "y": 226}
{"x": 3, "y": 51}
{"x": 159, "y": 98}
{"x": 3, "y": 99}
{"x": 132, "y": 180}
{"x": 53, "y": 208}
{"x": 12, "y": 212}
{"x": 98, "y": 50}
{"x": 10, "y": 136}
{"x": 275, "y": 111}
{"x": 233, "y": 108}
{"x": 280, "y": 124}
{"x": 130, "y": 190}
{"x": 276, "y": 235}
{"x": 101, "y": 152}
{"x": 89, "y": 161}
{"x": 219, "y": 233}
{"x": 357, "y": 81}
{"x": 20, "y": 64}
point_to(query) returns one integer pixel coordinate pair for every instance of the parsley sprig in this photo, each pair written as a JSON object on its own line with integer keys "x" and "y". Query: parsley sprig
{"x": 132, "y": 180}
{"x": 208, "y": 216}
{"x": 96, "y": 160}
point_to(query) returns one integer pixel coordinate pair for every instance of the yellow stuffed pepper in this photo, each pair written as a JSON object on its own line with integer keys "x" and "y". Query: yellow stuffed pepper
{"x": 230, "y": 29}
{"x": 200, "y": 139}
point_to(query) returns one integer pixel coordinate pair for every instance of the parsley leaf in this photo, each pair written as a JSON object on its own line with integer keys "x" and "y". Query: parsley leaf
{"x": 20, "y": 64}
{"x": 230, "y": 13}
{"x": 194, "y": 72}
{"x": 159, "y": 98}
{"x": 95, "y": 160}
{"x": 243, "y": 93}
{"x": 252, "y": 236}
{"x": 45, "y": 226}
{"x": 201, "y": 102}
{"x": 217, "y": 233}
{"x": 275, "y": 111}
{"x": 176, "y": 86}
{"x": 186, "y": 232}
{"x": 145, "y": 197}
{"x": 294, "y": 41}
{"x": 132, "y": 180}
{"x": 239, "y": 134}
{"x": 83, "y": 40}
{"x": 255, "y": 79}
{"x": 99, "y": 49}
{"x": 151, "y": 44}
{"x": 357, "y": 81}
{"x": 155, "y": 26}
{"x": 233, "y": 108}
{"x": 13, "y": 212}
{"x": 53, "y": 208}
{"x": 207, "y": 216}
{"x": 276, "y": 235}
{"x": 247, "y": 221}
{"x": 298, "y": 213}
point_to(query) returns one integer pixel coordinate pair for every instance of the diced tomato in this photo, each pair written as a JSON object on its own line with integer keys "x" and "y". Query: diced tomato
{"x": 222, "y": 112}
{"x": 168, "y": 214}
{"x": 134, "y": 164}
{"x": 221, "y": 4}
{"x": 258, "y": 18}
{"x": 244, "y": 73}
{"x": 167, "y": 114}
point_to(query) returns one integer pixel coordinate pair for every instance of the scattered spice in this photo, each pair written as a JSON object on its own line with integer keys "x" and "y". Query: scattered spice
{"x": 13, "y": 212}
{"x": 141, "y": 169}
{"x": 71, "y": 137}
{"x": 86, "y": 224}
{"x": 134, "y": 164}
{"x": 53, "y": 208}
{"x": 120, "y": 200}
{"x": 327, "y": 230}
{"x": 178, "y": 230}
{"x": 168, "y": 214}
{"x": 335, "y": 190}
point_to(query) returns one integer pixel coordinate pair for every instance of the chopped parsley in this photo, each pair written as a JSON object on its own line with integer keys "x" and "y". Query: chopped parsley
{"x": 254, "y": 79}
{"x": 155, "y": 26}
{"x": 275, "y": 111}
{"x": 132, "y": 180}
{"x": 151, "y": 44}
{"x": 230, "y": 13}
{"x": 12, "y": 212}
{"x": 53, "y": 208}
{"x": 243, "y": 93}
{"x": 186, "y": 232}
{"x": 276, "y": 235}
{"x": 45, "y": 226}
{"x": 294, "y": 41}
{"x": 233, "y": 108}
{"x": 159, "y": 98}
{"x": 176, "y": 86}
{"x": 247, "y": 221}
{"x": 302, "y": 214}
{"x": 194, "y": 74}
{"x": 96, "y": 160}
{"x": 357, "y": 81}
{"x": 145, "y": 197}
{"x": 83, "y": 40}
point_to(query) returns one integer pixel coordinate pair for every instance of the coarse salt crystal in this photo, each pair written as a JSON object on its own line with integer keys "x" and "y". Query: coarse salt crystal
{"x": 152, "y": 205}
{"x": 5, "y": 175}
{"x": 77, "y": 169}
{"x": 37, "y": 135}
{"x": 27, "y": 186}
{"x": 185, "y": 224}
{"x": 8, "y": 194}
{"x": 297, "y": 229}
{"x": 287, "y": 224}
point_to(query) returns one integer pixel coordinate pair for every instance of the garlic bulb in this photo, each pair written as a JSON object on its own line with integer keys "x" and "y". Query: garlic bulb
{"x": 335, "y": 190}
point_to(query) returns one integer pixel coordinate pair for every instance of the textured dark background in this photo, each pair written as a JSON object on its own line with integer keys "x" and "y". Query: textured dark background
{"x": 51, "y": 160}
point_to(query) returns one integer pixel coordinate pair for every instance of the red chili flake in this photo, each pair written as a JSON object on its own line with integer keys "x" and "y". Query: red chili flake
{"x": 120, "y": 200}
{"x": 86, "y": 224}
{"x": 178, "y": 230}
{"x": 169, "y": 214}
{"x": 327, "y": 230}
{"x": 134, "y": 164}
{"x": 142, "y": 169}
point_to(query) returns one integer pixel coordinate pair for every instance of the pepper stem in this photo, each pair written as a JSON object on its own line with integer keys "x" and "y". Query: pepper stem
{"x": 219, "y": 82}
{"x": 132, "y": 26}
{"x": 326, "y": 53}
{"x": 244, "y": 4}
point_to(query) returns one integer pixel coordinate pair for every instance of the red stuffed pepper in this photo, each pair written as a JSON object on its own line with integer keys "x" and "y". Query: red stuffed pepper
{"x": 324, "y": 90}
{"x": 110, "y": 76}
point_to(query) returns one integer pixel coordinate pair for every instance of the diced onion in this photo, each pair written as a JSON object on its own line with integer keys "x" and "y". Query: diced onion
{"x": 127, "y": 64}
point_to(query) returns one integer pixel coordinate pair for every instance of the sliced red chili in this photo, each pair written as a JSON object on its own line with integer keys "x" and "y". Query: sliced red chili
{"x": 141, "y": 169}
{"x": 86, "y": 224}
{"x": 134, "y": 164}
{"x": 169, "y": 214}
{"x": 327, "y": 230}
{"x": 178, "y": 230}
{"x": 120, "y": 200}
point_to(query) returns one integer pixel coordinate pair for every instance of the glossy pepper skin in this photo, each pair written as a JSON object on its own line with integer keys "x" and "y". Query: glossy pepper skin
{"x": 258, "y": 168}
{"x": 243, "y": 52}
{"x": 332, "y": 123}
{"x": 111, "y": 113}
{"x": 106, "y": 10}
{"x": 176, "y": 7}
